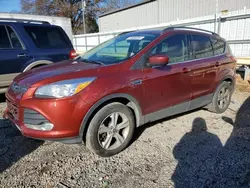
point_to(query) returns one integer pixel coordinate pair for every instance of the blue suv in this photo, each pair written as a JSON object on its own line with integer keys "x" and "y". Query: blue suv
{"x": 26, "y": 44}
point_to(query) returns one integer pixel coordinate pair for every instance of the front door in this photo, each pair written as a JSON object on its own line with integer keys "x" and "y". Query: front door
{"x": 170, "y": 85}
{"x": 12, "y": 55}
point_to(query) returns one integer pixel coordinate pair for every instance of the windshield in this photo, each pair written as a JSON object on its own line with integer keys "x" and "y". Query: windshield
{"x": 119, "y": 48}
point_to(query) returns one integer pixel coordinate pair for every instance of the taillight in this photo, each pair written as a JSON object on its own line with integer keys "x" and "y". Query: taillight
{"x": 233, "y": 58}
{"x": 234, "y": 61}
{"x": 72, "y": 54}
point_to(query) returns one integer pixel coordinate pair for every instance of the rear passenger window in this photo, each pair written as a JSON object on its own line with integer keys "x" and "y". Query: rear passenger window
{"x": 219, "y": 46}
{"x": 201, "y": 47}
{"x": 174, "y": 47}
{"x": 14, "y": 39}
{"x": 47, "y": 37}
{"x": 4, "y": 39}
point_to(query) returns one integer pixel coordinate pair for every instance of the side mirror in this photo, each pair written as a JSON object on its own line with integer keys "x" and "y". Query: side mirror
{"x": 158, "y": 60}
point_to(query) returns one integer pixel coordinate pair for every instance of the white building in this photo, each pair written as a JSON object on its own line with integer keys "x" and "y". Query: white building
{"x": 152, "y": 12}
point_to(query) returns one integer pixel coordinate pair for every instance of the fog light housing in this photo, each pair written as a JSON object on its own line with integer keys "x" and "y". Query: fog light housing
{"x": 46, "y": 126}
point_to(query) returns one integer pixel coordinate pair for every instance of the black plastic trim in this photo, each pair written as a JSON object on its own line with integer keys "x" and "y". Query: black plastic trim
{"x": 134, "y": 104}
{"x": 69, "y": 140}
{"x": 231, "y": 78}
{"x": 179, "y": 108}
{"x": 201, "y": 101}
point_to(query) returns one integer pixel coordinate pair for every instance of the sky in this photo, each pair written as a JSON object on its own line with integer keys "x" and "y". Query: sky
{"x": 9, "y": 5}
{"x": 15, "y": 6}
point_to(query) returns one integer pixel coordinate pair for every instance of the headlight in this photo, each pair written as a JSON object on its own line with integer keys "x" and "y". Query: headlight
{"x": 63, "y": 88}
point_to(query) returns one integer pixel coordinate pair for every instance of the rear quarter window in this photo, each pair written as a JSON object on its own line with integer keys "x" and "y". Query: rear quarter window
{"x": 47, "y": 37}
{"x": 219, "y": 46}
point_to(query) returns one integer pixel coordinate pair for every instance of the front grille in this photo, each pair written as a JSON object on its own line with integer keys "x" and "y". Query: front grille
{"x": 33, "y": 117}
{"x": 18, "y": 88}
{"x": 13, "y": 110}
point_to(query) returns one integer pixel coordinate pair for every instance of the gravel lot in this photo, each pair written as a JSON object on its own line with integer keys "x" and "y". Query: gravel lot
{"x": 196, "y": 149}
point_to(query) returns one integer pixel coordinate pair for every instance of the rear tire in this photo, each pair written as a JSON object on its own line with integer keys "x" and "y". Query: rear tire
{"x": 111, "y": 130}
{"x": 221, "y": 98}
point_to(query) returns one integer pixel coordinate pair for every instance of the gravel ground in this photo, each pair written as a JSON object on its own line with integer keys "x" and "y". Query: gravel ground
{"x": 196, "y": 149}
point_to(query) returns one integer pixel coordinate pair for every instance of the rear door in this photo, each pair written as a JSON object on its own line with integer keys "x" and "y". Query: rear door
{"x": 203, "y": 67}
{"x": 224, "y": 60}
{"x": 51, "y": 42}
{"x": 168, "y": 85}
{"x": 13, "y": 55}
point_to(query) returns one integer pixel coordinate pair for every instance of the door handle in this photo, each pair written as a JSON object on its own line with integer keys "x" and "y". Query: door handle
{"x": 22, "y": 55}
{"x": 217, "y": 64}
{"x": 137, "y": 82}
{"x": 186, "y": 70}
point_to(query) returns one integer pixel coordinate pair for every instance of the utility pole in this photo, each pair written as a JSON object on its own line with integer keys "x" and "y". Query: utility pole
{"x": 83, "y": 15}
{"x": 216, "y": 15}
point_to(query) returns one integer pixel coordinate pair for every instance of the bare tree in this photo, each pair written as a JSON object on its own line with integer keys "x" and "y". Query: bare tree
{"x": 110, "y": 5}
{"x": 66, "y": 8}
{"x": 73, "y": 10}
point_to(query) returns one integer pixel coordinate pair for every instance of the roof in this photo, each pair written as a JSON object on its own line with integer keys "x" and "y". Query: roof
{"x": 143, "y": 32}
{"x": 184, "y": 28}
{"x": 171, "y": 28}
{"x": 29, "y": 16}
{"x": 180, "y": 28}
{"x": 125, "y": 8}
{"x": 22, "y": 21}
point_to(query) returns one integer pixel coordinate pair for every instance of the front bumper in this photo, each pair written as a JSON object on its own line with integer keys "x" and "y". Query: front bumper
{"x": 65, "y": 114}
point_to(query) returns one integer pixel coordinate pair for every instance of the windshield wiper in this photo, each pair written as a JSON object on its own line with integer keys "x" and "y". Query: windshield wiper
{"x": 91, "y": 61}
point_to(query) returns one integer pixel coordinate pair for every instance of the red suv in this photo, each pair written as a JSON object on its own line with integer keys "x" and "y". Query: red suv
{"x": 135, "y": 78}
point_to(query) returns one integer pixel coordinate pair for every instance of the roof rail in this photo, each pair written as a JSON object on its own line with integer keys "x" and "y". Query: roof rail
{"x": 125, "y": 33}
{"x": 23, "y": 21}
{"x": 189, "y": 28}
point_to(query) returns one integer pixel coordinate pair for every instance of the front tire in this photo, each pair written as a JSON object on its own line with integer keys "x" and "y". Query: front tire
{"x": 111, "y": 130}
{"x": 221, "y": 98}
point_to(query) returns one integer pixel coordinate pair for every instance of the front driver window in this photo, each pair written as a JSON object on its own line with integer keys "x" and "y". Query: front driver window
{"x": 175, "y": 47}
{"x": 14, "y": 39}
{"x": 4, "y": 40}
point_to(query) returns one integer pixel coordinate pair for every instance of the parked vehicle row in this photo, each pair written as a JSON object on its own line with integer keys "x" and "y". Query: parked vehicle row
{"x": 101, "y": 97}
{"x": 25, "y": 45}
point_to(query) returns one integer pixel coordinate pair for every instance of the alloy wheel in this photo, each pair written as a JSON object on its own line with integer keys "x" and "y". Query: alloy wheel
{"x": 113, "y": 131}
{"x": 223, "y": 97}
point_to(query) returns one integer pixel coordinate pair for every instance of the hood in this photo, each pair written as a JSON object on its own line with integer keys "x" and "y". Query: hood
{"x": 58, "y": 71}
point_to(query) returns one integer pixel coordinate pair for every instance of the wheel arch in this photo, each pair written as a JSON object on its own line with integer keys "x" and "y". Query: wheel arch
{"x": 125, "y": 99}
{"x": 36, "y": 64}
{"x": 230, "y": 79}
